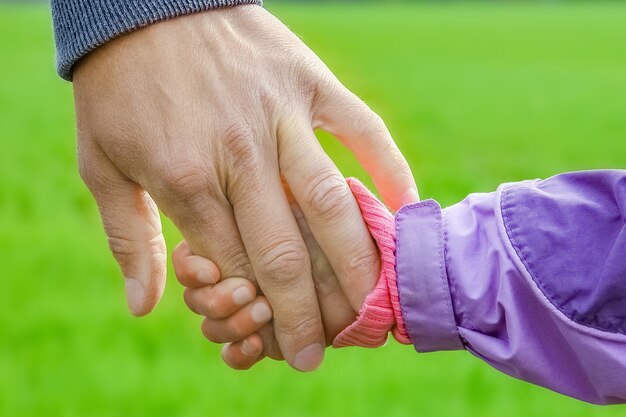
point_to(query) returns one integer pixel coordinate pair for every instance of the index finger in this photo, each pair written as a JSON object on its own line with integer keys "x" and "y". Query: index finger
{"x": 342, "y": 113}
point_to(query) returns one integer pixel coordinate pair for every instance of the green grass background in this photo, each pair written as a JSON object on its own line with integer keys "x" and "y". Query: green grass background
{"x": 475, "y": 95}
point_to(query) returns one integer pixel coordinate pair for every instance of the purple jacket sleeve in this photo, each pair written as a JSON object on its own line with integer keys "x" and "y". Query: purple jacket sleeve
{"x": 530, "y": 278}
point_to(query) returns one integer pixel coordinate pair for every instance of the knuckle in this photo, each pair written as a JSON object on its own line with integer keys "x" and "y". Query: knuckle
{"x": 188, "y": 298}
{"x": 240, "y": 147}
{"x": 121, "y": 246}
{"x": 299, "y": 327}
{"x": 238, "y": 364}
{"x": 182, "y": 274}
{"x": 328, "y": 196}
{"x": 91, "y": 175}
{"x": 271, "y": 349}
{"x": 216, "y": 307}
{"x": 130, "y": 252}
{"x": 362, "y": 263}
{"x": 125, "y": 246}
{"x": 85, "y": 160}
{"x": 200, "y": 302}
{"x": 282, "y": 262}
{"x": 325, "y": 280}
{"x": 208, "y": 305}
{"x": 184, "y": 179}
{"x": 236, "y": 264}
{"x": 371, "y": 124}
{"x": 212, "y": 309}
{"x": 213, "y": 334}
{"x": 86, "y": 172}
{"x": 305, "y": 73}
{"x": 370, "y": 120}
{"x": 178, "y": 259}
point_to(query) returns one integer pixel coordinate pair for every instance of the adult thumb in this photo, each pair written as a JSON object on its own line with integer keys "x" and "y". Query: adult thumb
{"x": 133, "y": 228}
{"x": 361, "y": 130}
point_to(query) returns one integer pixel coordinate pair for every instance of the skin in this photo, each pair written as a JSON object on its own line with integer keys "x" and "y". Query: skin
{"x": 200, "y": 117}
{"x": 233, "y": 319}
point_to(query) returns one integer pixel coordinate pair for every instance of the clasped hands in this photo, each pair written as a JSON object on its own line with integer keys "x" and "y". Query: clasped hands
{"x": 210, "y": 119}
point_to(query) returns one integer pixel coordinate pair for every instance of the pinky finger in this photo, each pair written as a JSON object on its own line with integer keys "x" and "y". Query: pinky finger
{"x": 242, "y": 355}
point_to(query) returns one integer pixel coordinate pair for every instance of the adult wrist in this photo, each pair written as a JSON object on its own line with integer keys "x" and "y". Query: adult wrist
{"x": 82, "y": 26}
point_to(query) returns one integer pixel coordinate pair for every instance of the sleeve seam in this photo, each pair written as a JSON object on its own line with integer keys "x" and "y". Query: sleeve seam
{"x": 512, "y": 242}
{"x": 456, "y": 305}
{"x": 443, "y": 278}
{"x": 409, "y": 331}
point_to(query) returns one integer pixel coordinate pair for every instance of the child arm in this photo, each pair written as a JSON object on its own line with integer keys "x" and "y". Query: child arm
{"x": 531, "y": 279}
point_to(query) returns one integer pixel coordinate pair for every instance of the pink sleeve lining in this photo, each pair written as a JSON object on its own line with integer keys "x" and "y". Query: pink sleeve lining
{"x": 380, "y": 312}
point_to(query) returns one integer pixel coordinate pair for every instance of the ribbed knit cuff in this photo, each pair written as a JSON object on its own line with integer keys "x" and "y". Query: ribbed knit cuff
{"x": 380, "y": 313}
{"x": 80, "y": 26}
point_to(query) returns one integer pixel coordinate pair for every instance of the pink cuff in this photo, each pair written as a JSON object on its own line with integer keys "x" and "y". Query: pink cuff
{"x": 380, "y": 312}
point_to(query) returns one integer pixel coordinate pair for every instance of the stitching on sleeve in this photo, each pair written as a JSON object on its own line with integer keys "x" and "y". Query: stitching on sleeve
{"x": 442, "y": 271}
{"x": 454, "y": 290}
{"x": 510, "y": 227}
{"x": 409, "y": 329}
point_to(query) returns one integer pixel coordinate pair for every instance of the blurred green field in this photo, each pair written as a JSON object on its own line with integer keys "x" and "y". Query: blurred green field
{"x": 474, "y": 95}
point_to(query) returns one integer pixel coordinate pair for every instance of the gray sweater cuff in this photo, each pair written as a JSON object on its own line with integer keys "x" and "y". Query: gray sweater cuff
{"x": 82, "y": 25}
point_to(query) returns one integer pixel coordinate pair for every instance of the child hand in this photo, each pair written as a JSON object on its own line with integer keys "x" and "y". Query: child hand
{"x": 234, "y": 313}
{"x": 232, "y": 309}
{"x": 238, "y": 319}
{"x": 378, "y": 315}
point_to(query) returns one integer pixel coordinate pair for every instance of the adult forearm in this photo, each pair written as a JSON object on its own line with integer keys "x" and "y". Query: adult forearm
{"x": 82, "y": 25}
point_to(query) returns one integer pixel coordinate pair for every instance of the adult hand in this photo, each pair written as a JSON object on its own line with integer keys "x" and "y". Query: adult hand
{"x": 228, "y": 310}
{"x": 203, "y": 114}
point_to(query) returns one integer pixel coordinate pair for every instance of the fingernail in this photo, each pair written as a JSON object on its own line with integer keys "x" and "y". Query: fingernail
{"x": 134, "y": 294}
{"x": 242, "y": 295}
{"x": 261, "y": 313}
{"x": 309, "y": 358}
{"x": 246, "y": 348}
{"x": 205, "y": 276}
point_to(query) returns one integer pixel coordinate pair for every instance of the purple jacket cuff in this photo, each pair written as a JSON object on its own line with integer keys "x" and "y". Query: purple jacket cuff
{"x": 530, "y": 278}
{"x": 422, "y": 279}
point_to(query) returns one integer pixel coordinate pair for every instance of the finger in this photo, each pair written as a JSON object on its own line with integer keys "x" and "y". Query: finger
{"x": 281, "y": 264}
{"x": 271, "y": 348}
{"x": 343, "y": 114}
{"x": 205, "y": 217}
{"x": 132, "y": 225}
{"x": 244, "y": 354}
{"x": 239, "y": 325}
{"x": 198, "y": 207}
{"x": 331, "y": 211}
{"x": 231, "y": 302}
{"x": 222, "y": 299}
{"x": 193, "y": 271}
{"x": 337, "y": 312}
